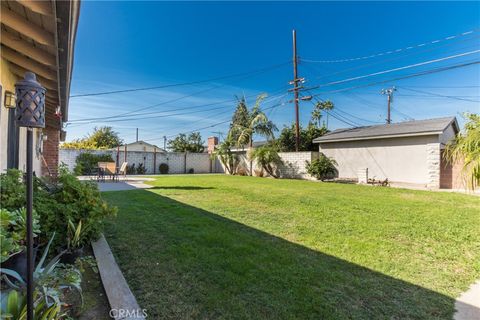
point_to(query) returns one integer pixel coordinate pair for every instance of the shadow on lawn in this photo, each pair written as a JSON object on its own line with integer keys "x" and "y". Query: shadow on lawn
{"x": 183, "y": 262}
{"x": 180, "y": 188}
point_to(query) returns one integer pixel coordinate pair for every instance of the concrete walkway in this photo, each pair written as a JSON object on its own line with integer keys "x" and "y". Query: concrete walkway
{"x": 467, "y": 305}
{"x": 130, "y": 183}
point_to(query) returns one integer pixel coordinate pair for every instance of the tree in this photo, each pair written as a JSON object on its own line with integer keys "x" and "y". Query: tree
{"x": 319, "y": 107}
{"x": 228, "y": 158}
{"x": 322, "y": 168}
{"x": 257, "y": 123}
{"x": 267, "y": 157}
{"x": 240, "y": 118}
{"x": 100, "y": 138}
{"x": 183, "y": 143}
{"x": 465, "y": 149}
{"x": 286, "y": 139}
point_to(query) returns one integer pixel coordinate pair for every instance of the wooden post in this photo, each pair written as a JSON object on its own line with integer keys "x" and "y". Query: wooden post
{"x": 154, "y": 160}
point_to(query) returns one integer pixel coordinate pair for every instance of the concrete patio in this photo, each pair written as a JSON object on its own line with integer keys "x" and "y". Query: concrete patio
{"x": 128, "y": 183}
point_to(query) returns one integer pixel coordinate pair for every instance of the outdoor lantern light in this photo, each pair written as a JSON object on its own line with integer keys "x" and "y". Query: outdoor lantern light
{"x": 9, "y": 101}
{"x": 30, "y": 113}
{"x": 30, "y": 102}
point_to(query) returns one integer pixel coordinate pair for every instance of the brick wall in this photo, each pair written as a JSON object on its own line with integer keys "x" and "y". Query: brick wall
{"x": 51, "y": 151}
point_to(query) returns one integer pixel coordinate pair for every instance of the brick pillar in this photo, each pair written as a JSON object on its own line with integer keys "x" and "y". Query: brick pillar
{"x": 433, "y": 165}
{"x": 212, "y": 142}
{"x": 50, "y": 151}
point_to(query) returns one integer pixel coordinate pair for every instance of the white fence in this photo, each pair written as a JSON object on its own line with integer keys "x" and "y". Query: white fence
{"x": 293, "y": 163}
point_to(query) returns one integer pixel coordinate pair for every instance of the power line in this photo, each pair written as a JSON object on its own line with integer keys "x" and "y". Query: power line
{"x": 161, "y": 112}
{"x": 362, "y": 66}
{"x": 180, "y": 84}
{"x": 440, "y": 95}
{"x": 418, "y": 74}
{"x": 393, "y": 51}
{"x": 397, "y": 69}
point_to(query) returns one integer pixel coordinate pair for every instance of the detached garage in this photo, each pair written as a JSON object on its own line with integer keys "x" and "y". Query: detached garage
{"x": 407, "y": 152}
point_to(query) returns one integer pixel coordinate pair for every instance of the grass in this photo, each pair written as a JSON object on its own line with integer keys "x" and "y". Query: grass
{"x": 225, "y": 247}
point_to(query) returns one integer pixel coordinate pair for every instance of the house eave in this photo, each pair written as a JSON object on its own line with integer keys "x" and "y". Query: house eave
{"x": 429, "y": 133}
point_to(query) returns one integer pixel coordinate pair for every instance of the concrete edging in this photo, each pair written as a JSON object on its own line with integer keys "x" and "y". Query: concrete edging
{"x": 467, "y": 306}
{"x": 123, "y": 304}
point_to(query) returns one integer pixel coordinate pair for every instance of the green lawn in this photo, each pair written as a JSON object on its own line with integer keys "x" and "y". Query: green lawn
{"x": 225, "y": 247}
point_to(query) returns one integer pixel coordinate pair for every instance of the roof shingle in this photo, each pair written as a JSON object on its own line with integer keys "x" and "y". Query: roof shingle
{"x": 409, "y": 128}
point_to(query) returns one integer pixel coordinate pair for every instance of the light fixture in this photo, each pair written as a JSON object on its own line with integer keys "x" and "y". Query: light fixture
{"x": 30, "y": 113}
{"x": 9, "y": 101}
{"x": 30, "y": 102}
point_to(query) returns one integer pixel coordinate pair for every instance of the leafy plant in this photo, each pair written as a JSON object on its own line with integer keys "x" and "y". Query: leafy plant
{"x": 141, "y": 169}
{"x": 13, "y": 231}
{"x": 57, "y": 202}
{"x": 267, "y": 157}
{"x": 227, "y": 157}
{"x": 75, "y": 235}
{"x": 286, "y": 139}
{"x": 163, "y": 168}
{"x": 131, "y": 169}
{"x": 100, "y": 138}
{"x": 322, "y": 168}
{"x": 191, "y": 171}
{"x": 86, "y": 162}
{"x": 14, "y": 306}
{"x": 50, "y": 278}
{"x": 465, "y": 149}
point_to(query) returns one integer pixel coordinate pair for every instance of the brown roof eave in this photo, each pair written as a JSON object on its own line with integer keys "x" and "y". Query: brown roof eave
{"x": 67, "y": 14}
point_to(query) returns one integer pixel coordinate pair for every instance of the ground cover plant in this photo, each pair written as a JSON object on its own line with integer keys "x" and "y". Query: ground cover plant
{"x": 235, "y": 247}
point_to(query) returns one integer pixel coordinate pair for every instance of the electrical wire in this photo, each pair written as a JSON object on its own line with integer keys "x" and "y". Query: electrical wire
{"x": 397, "y": 69}
{"x": 181, "y": 84}
{"x": 440, "y": 95}
{"x": 408, "y": 76}
{"x": 393, "y": 51}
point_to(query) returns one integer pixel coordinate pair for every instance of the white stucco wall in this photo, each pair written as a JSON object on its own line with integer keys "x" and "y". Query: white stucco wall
{"x": 407, "y": 159}
{"x": 7, "y": 81}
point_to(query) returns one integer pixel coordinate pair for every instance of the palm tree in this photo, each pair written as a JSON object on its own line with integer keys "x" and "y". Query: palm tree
{"x": 267, "y": 157}
{"x": 465, "y": 149}
{"x": 317, "y": 111}
{"x": 258, "y": 124}
{"x": 228, "y": 158}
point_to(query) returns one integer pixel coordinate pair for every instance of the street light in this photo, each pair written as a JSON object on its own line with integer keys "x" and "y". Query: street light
{"x": 30, "y": 113}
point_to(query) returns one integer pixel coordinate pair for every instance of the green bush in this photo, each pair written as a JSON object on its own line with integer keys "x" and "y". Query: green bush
{"x": 163, "y": 168}
{"x": 86, "y": 162}
{"x": 58, "y": 202}
{"x": 322, "y": 168}
{"x": 141, "y": 169}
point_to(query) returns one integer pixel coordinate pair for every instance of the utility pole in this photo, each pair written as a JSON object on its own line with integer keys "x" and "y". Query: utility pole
{"x": 295, "y": 90}
{"x": 389, "y": 92}
{"x": 137, "y": 135}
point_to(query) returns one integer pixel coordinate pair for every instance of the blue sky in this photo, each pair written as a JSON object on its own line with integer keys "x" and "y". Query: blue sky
{"x": 126, "y": 45}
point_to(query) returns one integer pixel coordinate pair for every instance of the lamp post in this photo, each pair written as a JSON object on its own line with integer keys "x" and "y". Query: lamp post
{"x": 30, "y": 113}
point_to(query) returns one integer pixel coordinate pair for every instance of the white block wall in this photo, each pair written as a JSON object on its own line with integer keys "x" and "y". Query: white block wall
{"x": 199, "y": 162}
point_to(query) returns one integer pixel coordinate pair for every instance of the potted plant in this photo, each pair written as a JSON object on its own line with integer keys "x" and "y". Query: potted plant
{"x": 75, "y": 242}
{"x": 13, "y": 229}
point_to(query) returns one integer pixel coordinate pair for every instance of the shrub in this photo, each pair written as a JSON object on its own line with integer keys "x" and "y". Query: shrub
{"x": 267, "y": 157}
{"x": 66, "y": 199}
{"x": 191, "y": 171}
{"x": 163, "y": 168}
{"x": 131, "y": 169}
{"x": 322, "y": 168}
{"x": 86, "y": 162}
{"x": 141, "y": 169}
{"x": 241, "y": 171}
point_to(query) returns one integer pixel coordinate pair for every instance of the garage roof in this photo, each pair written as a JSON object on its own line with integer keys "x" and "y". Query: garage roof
{"x": 401, "y": 129}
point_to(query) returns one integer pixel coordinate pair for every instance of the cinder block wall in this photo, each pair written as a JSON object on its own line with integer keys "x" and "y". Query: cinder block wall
{"x": 178, "y": 162}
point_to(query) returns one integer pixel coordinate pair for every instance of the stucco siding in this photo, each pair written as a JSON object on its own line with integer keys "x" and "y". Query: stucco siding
{"x": 7, "y": 81}
{"x": 398, "y": 159}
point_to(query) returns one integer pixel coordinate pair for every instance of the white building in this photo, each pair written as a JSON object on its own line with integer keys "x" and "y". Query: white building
{"x": 407, "y": 152}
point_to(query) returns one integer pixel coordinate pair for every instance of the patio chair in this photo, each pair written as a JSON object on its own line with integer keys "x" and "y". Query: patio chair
{"x": 123, "y": 171}
{"x": 102, "y": 166}
{"x": 111, "y": 170}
